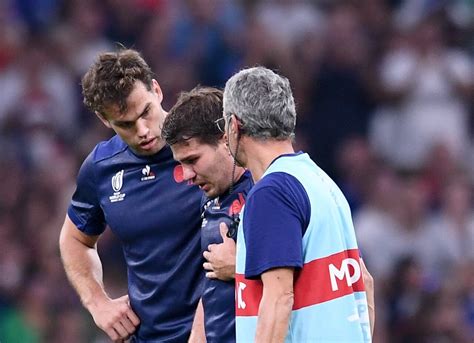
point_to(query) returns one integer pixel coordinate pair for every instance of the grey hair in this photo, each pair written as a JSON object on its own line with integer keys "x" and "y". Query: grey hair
{"x": 263, "y": 101}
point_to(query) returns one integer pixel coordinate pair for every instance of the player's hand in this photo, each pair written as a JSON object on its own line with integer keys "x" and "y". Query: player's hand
{"x": 221, "y": 257}
{"x": 116, "y": 318}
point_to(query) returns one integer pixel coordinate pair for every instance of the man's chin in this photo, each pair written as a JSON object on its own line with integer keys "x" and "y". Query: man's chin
{"x": 212, "y": 193}
{"x": 146, "y": 152}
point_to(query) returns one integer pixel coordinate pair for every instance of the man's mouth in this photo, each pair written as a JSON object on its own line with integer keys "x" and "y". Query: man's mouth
{"x": 148, "y": 144}
{"x": 204, "y": 186}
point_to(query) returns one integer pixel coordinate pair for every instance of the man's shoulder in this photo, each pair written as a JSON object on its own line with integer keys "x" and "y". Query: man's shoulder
{"x": 275, "y": 183}
{"x": 107, "y": 149}
{"x": 102, "y": 153}
{"x": 276, "y": 179}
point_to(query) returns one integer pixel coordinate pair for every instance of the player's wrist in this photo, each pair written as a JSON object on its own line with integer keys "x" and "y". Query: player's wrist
{"x": 95, "y": 301}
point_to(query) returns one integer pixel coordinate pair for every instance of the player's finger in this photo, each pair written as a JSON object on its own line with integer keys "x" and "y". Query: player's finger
{"x": 223, "y": 230}
{"x": 122, "y": 333}
{"x": 207, "y": 255}
{"x": 210, "y": 247}
{"x": 112, "y": 333}
{"x": 211, "y": 275}
{"x": 128, "y": 325}
{"x": 207, "y": 266}
{"x": 133, "y": 317}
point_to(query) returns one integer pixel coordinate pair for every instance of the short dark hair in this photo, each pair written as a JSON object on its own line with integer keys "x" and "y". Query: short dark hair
{"x": 194, "y": 116}
{"x": 110, "y": 80}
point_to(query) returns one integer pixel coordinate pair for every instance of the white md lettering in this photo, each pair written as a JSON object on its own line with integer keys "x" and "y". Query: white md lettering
{"x": 343, "y": 272}
{"x": 240, "y": 301}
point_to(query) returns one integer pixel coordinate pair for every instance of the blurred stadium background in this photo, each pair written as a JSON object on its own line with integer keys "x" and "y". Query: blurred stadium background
{"x": 384, "y": 93}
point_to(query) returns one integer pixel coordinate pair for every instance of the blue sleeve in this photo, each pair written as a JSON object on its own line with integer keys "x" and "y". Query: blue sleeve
{"x": 84, "y": 210}
{"x": 276, "y": 217}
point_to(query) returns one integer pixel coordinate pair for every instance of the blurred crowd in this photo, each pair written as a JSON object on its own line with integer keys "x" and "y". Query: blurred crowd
{"x": 384, "y": 92}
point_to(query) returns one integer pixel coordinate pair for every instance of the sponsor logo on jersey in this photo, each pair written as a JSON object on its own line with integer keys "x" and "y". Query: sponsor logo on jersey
{"x": 320, "y": 280}
{"x": 117, "y": 183}
{"x": 147, "y": 174}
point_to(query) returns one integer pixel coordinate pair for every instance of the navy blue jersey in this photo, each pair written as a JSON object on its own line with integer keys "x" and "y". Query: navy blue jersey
{"x": 156, "y": 217}
{"x": 219, "y": 296}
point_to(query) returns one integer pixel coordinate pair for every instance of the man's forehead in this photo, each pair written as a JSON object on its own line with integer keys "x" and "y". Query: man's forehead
{"x": 136, "y": 101}
{"x": 130, "y": 113}
{"x": 188, "y": 147}
{"x": 181, "y": 149}
{"x": 111, "y": 111}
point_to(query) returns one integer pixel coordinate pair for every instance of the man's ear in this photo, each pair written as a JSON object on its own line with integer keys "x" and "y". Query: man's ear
{"x": 235, "y": 125}
{"x": 157, "y": 89}
{"x": 222, "y": 138}
{"x": 103, "y": 120}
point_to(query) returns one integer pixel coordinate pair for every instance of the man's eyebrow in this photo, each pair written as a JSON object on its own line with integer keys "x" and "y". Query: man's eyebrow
{"x": 121, "y": 122}
{"x": 147, "y": 107}
{"x": 188, "y": 157}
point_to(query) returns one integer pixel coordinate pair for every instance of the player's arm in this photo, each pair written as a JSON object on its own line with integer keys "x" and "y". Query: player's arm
{"x": 84, "y": 270}
{"x": 276, "y": 305}
{"x": 273, "y": 225}
{"x": 370, "y": 293}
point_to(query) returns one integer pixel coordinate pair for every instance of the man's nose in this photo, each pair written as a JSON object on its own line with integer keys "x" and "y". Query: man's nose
{"x": 142, "y": 128}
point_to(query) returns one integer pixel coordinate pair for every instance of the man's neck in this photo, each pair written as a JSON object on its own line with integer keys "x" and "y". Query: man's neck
{"x": 239, "y": 171}
{"x": 260, "y": 154}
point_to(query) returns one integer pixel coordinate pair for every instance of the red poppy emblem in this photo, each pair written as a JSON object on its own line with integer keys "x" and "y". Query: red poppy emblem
{"x": 237, "y": 205}
{"x": 178, "y": 173}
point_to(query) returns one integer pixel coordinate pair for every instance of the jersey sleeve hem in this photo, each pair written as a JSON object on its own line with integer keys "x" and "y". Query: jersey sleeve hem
{"x": 257, "y": 272}
{"x": 81, "y": 226}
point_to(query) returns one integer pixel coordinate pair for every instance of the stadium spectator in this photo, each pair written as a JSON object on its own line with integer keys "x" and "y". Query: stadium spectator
{"x": 429, "y": 84}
